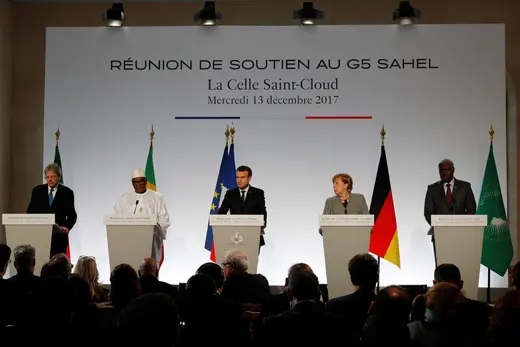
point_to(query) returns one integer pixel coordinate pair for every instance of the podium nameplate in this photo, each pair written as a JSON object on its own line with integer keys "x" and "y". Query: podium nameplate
{"x": 236, "y": 220}
{"x": 30, "y": 229}
{"x": 114, "y": 219}
{"x": 450, "y": 220}
{"x": 24, "y": 219}
{"x": 358, "y": 220}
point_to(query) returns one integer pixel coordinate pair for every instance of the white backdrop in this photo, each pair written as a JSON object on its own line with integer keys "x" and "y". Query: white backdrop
{"x": 442, "y": 107}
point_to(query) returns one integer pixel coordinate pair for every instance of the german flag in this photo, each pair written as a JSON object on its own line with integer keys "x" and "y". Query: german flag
{"x": 384, "y": 241}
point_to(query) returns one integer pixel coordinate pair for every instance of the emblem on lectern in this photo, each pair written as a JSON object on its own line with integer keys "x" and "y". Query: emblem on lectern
{"x": 237, "y": 239}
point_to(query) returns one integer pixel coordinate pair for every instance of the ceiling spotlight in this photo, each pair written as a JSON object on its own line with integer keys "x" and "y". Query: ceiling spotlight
{"x": 406, "y": 13}
{"x": 308, "y": 14}
{"x": 115, "y": 16}
{"x": 208, "y": 15}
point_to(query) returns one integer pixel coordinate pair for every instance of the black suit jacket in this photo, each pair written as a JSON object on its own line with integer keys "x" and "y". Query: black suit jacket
{"x": 307, "y": 323}
{"x": 352, "y": 312}
{"x": 62, "y": 208}
{"x": 151, "y": 284}
{"x": 254, "y": 204}
{"x": 246, "y": 288}
{"x": 463, "y": 200}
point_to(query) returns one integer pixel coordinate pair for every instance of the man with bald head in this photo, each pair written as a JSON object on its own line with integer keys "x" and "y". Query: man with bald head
{"x": 149, "y": 279}
{"x": 388, "y": 319}
{"x": 448, "y": 196}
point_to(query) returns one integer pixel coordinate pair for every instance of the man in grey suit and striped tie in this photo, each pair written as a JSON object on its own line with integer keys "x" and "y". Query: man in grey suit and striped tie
{"x": 448, "y": 196}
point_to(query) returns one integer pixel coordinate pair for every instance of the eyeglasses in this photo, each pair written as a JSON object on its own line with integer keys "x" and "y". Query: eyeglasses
{"x": 138, "y": 181}
{"x": 87, "y": 257}
{"x": 51, "y": 177}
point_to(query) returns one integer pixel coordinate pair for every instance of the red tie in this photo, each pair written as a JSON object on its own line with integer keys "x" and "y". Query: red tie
{"x": 448, "y": 194}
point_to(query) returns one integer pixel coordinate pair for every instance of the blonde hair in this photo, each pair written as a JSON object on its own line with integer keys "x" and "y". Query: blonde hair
{"x": 345, "y": 178}
{"x": 86, "y": 269}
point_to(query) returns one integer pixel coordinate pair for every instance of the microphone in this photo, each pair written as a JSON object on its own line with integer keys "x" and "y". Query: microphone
{"x": 136, "y": 203}
{"x": 345, "y": 204}
{"x": 452, "y": 205}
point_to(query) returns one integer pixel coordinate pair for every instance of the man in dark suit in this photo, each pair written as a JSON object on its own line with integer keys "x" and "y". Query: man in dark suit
{"x": 55, "y": 198}
{"x": 245, "y": 199}
{"x": 307, "y": 322}
{"x": 352, "y": 309}
{"x": 476, "y": 313}
{"x": 149, "y": 279}
{"x": 448, "y": 196}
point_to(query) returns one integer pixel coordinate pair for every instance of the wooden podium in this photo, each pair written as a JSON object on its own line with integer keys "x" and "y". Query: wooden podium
{"x": 241, "y": 232}
{"x": 458, "y": 241}
{"x": 29, "y": 229}
{"x": 344, "y": 236}
{"x": 129, "y": 238}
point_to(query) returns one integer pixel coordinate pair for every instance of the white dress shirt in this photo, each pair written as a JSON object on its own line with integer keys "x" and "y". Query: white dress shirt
{"x": 445, "y": 185}
{"x": 53, "y": 192}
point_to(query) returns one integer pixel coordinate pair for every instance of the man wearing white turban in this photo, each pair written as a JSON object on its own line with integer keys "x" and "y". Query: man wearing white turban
{"x": 146, "y": 201}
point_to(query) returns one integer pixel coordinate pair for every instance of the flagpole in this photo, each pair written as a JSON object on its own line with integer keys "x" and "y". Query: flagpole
{"x": 57, "y": 133}
{"x": 232, "y": 133}
{"x": 491, "y": 133}
{"x": 152, "y": 135}
{"x": 383, "y": 134}
{"x": 227, "y": 133}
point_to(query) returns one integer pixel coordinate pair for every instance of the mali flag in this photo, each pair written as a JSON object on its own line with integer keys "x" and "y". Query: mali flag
{"x": 384, "y": 241}
{"x": 149, "y": 172}
{"x": 215, "y": 203}
{"x": 57, "y": 160}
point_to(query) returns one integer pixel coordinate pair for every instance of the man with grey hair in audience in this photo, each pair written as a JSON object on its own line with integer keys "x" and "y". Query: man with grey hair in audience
{"x": 241, "y": 286}
{"x": 307, "y": 322}
{"x": 149, "y": 279}
{"x": 25, "y": 289}
{"x": 24, "y": 260}
{"x": 448, "y": 196}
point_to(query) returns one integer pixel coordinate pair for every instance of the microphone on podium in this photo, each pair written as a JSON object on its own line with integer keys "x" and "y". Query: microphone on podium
{"x": 136, "y": 203}
{"x": 452, "y": 206}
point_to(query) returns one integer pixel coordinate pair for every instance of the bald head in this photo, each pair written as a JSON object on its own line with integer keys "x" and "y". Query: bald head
{"x": 149, "y": 267}
{"x": 392, "y": 301}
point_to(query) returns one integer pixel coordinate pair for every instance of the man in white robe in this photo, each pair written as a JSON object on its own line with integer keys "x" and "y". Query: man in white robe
{"x": 146, "y": 201}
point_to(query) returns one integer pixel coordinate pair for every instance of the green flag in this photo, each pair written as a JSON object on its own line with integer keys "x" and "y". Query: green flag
{"x": 149, "y": 171}
{"x": 57, "y": 160}
{"x": 497, "y": 247}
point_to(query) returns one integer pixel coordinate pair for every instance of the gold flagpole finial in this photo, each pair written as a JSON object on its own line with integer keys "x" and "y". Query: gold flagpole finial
{"x": 57, "y": 133}
{"x": 383, "y": 134}
{"x": 491, "y": 133}
{"x": 232, "y": 132}
{"x": 152, "y": 135}
{"x": 227, "y": 132}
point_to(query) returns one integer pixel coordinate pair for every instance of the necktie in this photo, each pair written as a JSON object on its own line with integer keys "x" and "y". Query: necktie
{"x": 51, "y": 197}
{"x": 243, "y": 196}
{"x": 448, "y": 194}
